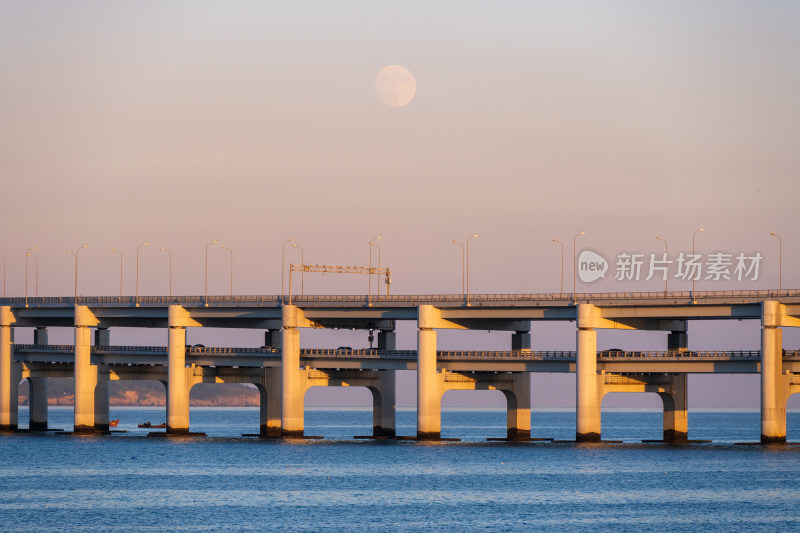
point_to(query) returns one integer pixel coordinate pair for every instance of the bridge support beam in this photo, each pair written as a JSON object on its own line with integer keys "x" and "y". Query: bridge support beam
{"x": 773, "y": 397}
{"x": 85, "y": 372}
{"x": 429, "y": 389}
{"x": 9, "y": 373}
{"x": 179, "y": 378}
{"x": 37, "y": 388}
{"x": 40, "y": 336}
{"x": 588, "y": 400}
{"x": 292, "y": 389}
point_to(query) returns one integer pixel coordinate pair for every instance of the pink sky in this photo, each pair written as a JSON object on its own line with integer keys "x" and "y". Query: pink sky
{"x": 183, "y": 122}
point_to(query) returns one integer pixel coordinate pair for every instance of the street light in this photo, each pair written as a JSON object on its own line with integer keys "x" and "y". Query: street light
{"x": 780, "y": 260}
{"x": 369, "y": 275}
{"x": 231, "y": 251}
{"x": 3, "y": 259}
{"x": 575, "y": 265}
{"x": 215, "y": 241}
{"x": 375, "y": 244}
{"x": 27, "y": 254}
{"x": 283, "y": 265}
{"x": 693, "y": 277}
{"x": 463, "y": 291}
{"x": 115, "y": 251}
{"x": 469, "y": 239}
{"x": 666, "y": 252}
{"x": 302, "y": 272}
{"x": 562, "y": 265}
{"x": 137, "y": 270}
{"x": 170, "y": 270}
{"x": 36, "y": 275}
{"x": 75, "y": 253}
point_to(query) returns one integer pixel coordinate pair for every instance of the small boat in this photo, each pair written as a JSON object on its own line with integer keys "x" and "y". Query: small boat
{"x": 154, "y": 426}
{"x": 113, "y": 423}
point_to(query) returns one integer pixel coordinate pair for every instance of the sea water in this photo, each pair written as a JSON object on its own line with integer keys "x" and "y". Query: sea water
{"x": 131, "y": 482}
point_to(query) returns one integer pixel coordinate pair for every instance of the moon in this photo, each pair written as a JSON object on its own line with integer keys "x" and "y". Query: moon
{"x": 395, "y": 86}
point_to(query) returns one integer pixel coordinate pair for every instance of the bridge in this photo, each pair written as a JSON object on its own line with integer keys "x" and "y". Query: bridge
{"x": 282, "y": 372}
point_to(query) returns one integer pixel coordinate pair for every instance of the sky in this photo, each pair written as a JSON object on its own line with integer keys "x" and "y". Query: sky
{"x": 179, "y": 123}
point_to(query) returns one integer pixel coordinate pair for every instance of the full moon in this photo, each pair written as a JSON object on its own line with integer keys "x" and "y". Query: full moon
{"x": 395, "y": 86}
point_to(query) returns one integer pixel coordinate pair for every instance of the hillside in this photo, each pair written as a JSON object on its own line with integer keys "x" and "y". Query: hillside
{"x": 61, "y": 391}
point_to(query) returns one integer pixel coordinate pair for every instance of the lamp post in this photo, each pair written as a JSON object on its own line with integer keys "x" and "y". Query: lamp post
{"x": 75, "y": 253}
{"x": 36, "y": 274}
{"x": 666, "y": 252}
{"x": 115, "y": 251}
{"x": 561, "y": 293}
{"x": 137, "y": 270}
{"x": 3, "y": 259}
{"x": 463, "y": 291}
{"x": 693, "y": 277}
{"x": 469, "y": 239}
{"x": 283, "y": 265}
{"x": 575, "y": 265}
{"x": 170, "y": 270}
{"x": 27, "y": 254}
{"x": 302, "y": 272}
{"x": 215, "y": 241}
{"x": 375, "y": 244}
{"x": 369, "y": 275}
{"x": 780, "y": 260}
{"x": 231, "y": 251}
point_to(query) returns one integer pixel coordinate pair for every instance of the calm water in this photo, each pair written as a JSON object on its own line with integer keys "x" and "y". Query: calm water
{"x": 131, "y": 482}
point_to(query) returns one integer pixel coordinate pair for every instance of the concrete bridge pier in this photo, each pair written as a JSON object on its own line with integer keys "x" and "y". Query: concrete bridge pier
{"x": 9, "y": 373}
{"x": 384, "y": 404}
{"x": 429, "y": 382}
{"x": 270, "y": 403}
{"x": 387, "y": 340}
{"x": 773, "y": 393}
{"x": 519, "y": 407}
{"x": 85, "y": 371}
{"x": 179, "y": 378}
{"x": 37, "y": 388}
{"x": 292, "y": 384}
{"x": 588, "y": 399}
{"x": 521, "y": 340}
{"x": 676, "y": 419}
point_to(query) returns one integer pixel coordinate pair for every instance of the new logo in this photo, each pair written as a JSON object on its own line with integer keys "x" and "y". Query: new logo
{"x": 591, "y": 266}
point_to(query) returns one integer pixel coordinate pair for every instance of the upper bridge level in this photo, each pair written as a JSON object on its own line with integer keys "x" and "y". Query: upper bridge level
{"x": 484, "y": 311}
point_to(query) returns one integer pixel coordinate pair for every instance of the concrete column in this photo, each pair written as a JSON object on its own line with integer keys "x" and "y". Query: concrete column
{"x": 101, "y": 399}
{"x": 387, "y": 340}
{"x": 588, "y": 401}
{"x": 38, "y": 404}
{"x": 292, "y": 390}
{"x": 676, "y": 419}
{"x": 677, "y": 341}
{"x": 8, "y": 394}
{"x": 85, "y": 372}
{"x": 102, "y": 337}
{"x": 40, "y": 336}
{"x": 273, "y": 338}
{"x": 429, "y": 393}
{"x": 270, "y": 406}
{"x": 521, "y": 340}
{"x": 384, "y": 398}
{"x": 773, "y": 399}
{"x": 177, "y": 382}
{"x": 519, "y": 407}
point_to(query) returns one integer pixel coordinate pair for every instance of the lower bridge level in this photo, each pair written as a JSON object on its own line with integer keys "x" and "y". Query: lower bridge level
{"x": 661, "y": 372}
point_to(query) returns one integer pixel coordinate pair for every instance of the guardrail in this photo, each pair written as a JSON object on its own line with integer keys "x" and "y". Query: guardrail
{"x": 372, "y": 353}
{"x": 410, "y": 299}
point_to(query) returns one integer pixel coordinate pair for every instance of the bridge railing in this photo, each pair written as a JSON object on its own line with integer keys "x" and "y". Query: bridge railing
{"x": 408, "y": 299}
